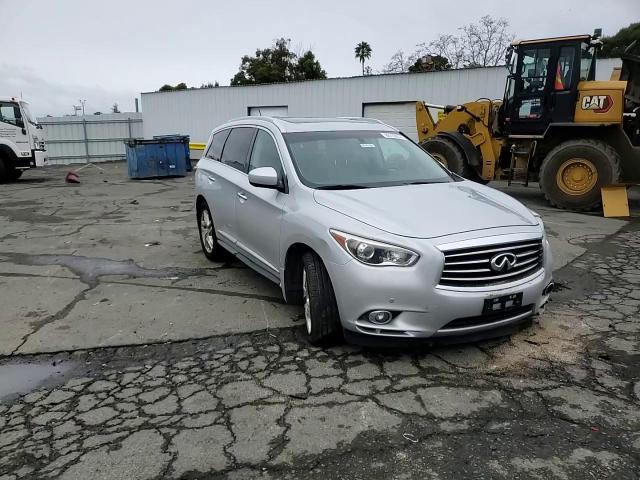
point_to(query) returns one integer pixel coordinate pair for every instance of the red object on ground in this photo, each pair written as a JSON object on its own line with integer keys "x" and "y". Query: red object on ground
{"x": 72, "y": 177}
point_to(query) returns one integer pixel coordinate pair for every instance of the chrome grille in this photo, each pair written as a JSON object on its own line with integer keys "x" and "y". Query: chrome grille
{"x": 471, "y": 267}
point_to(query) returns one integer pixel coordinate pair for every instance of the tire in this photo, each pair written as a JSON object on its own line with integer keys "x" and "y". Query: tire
{"x": 451, "y": 156}
{"x": 14, "y": 174}
{"x": 322, "y": 320}
{"x": 207, "y": 233}
{"x": 3, "y": 171}
{"x": 581, "y": 192}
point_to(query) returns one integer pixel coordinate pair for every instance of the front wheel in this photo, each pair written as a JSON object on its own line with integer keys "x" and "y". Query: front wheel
{"x": 452, "y": 157}
{"x": 572, "y": 173}
{"x": 14, "y": 174}
{"x": 321, "y": 316}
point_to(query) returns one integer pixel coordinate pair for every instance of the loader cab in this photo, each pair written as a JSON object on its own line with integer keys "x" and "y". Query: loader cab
{"x": 542, "y": 86}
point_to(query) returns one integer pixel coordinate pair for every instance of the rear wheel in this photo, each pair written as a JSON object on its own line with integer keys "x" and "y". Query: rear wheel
{"x": 322, "y": 321}
{"x": 208, "y": 240}
{"x": 451, "y": 156}
{"x": 572, "y": 173}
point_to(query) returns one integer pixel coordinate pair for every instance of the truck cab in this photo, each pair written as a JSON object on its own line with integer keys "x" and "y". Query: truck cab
{"x": 21, "y": 140}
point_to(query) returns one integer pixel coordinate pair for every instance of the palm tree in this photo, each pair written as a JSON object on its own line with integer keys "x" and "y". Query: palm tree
{"x": 363, "y": 52}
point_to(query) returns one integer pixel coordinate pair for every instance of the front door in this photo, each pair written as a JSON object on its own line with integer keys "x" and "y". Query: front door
{"x": 530, "y": 107}
{"x": 259, "y": 210}
{"x": 13, "y": 128}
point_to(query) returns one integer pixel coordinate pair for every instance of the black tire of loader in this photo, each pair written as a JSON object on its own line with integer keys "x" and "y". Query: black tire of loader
{"x": 605, "y": 159}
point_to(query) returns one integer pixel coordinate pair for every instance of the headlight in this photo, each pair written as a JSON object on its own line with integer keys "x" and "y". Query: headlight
{"x": 371, "y": 252}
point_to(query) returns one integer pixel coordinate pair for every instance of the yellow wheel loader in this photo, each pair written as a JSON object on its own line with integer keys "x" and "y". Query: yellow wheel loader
{"x": 556, "y": 124}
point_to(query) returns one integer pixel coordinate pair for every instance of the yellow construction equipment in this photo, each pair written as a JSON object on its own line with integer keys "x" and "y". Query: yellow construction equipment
{"x": 556, "y": 124}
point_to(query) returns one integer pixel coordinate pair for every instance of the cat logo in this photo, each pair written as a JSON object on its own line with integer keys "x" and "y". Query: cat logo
{"x": 597, "y": 103}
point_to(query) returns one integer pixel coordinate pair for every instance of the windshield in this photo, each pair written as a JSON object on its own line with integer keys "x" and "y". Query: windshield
{"x": 361, "y": 159}
{"x": 27, "y": 113}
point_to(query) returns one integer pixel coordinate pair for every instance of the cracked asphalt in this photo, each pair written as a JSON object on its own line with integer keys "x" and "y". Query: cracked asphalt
{"x": 126, "y": 355}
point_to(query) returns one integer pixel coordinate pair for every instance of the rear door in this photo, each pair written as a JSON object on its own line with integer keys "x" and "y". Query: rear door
{"x": 210, "y": 171}
{"x": 565, "y": 83}
{"x": 230, "y": 176}
{"x": 259, "y": 213}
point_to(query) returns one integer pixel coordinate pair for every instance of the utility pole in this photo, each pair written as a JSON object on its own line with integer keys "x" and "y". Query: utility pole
{"x": 82, "y": 102}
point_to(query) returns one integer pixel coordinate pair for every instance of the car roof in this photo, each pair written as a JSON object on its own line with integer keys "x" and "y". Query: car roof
{"x": 314, "y": 124}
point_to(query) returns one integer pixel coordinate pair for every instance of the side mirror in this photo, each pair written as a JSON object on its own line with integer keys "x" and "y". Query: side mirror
{"x": 265, "y": 177}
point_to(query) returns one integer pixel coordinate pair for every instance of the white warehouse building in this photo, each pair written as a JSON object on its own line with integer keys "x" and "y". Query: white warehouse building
{"x": 390, "y": 98}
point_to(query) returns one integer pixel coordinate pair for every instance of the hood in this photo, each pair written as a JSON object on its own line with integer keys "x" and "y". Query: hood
{"x": 429, "y": 211}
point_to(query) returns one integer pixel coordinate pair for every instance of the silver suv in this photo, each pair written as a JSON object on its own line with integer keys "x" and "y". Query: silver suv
{"x": 372, "y": 235}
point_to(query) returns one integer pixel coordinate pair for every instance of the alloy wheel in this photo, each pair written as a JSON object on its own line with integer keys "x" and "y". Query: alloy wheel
{"x": 206, "y": 231}
{"x": 307, "y": 301}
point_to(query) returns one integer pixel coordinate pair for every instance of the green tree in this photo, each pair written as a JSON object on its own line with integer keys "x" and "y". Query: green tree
{"x": 430, "y": 63}
{"x": 168, "y": 88}
{"x": 278, "y": 64}
{"x": 614, "y": 46}
{"x": 363, "y": 52}
{"x": 308, "y": 68}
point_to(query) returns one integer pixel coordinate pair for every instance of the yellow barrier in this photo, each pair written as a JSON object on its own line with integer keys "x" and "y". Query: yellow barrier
{"x": 197, "y": 146}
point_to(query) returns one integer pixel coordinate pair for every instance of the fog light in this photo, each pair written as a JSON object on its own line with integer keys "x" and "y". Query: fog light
{"x": 548, "y": 289}
{"x": 380, "y": 317}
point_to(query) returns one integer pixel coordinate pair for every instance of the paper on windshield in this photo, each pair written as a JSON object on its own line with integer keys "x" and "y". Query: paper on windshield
{"x": 397, "y": 136}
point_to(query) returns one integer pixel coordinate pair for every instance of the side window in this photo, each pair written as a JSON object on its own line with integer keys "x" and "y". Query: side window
{"x": 217, "y": 142}
{"x": 265, "y": 153}
{"x": 534, "y": 70}
{"x": 564, "y": 70}
{"x": 10, "y": 113}
{"x": 236, "y": 148}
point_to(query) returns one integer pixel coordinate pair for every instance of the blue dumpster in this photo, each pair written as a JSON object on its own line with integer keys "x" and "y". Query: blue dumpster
{"x": 162, "y": 156}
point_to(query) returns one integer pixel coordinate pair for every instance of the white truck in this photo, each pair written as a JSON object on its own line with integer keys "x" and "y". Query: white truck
{"x": 21, "y": 143}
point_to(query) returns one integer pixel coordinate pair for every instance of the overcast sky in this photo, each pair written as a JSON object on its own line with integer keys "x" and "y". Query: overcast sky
{"x": 57, "y": 52}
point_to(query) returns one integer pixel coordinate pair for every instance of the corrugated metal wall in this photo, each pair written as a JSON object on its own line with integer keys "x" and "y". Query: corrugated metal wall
{"x": 196, "y": 112}
{"x": 90, "y": 138}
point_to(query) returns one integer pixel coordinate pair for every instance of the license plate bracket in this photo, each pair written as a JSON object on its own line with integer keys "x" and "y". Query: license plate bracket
{"x": 502, "y": 303}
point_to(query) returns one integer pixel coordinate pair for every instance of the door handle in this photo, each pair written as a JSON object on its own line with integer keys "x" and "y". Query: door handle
{"x": 242, "y": 195}
{"x": 211, "y": 179}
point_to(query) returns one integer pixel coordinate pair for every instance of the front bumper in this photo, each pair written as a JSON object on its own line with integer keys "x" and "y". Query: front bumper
{"x": 421, "y": 307}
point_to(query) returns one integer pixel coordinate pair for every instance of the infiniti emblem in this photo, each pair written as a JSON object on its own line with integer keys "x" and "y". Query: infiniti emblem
{"x": 503, "y": 262}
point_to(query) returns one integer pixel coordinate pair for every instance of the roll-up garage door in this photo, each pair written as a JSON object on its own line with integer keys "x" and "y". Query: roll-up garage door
{"x": 399, "y": 115}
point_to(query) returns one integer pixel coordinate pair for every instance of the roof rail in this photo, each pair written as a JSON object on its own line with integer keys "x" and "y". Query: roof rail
{"x": 253, "y": 118}
{"x": 363, "y": 119}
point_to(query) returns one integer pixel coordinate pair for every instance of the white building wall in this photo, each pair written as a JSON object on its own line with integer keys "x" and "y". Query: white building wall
{"x": 196, "y": 112}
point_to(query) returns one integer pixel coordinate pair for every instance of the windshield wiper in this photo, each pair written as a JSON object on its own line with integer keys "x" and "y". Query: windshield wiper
{"x": 342, "y": 186}
{"x": 423, "y": 182}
